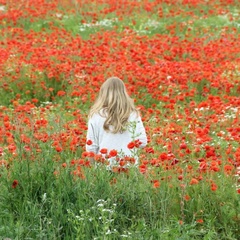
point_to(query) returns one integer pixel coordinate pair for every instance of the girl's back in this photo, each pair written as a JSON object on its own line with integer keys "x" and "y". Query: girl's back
{"x": 118, "y": 141}
{"x": 114, "y": 122}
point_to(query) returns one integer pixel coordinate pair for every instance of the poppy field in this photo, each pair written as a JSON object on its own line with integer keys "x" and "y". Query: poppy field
{"x": 180, "y": 62}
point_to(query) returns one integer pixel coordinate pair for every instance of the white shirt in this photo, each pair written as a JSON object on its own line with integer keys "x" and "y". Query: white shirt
{"x": 115, "y": 141}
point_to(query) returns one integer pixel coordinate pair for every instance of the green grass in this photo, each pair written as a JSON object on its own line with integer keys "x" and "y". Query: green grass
{"x": 46, "y": 206}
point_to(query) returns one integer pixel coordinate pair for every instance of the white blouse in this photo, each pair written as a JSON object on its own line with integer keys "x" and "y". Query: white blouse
{"x": 115, "y": 141}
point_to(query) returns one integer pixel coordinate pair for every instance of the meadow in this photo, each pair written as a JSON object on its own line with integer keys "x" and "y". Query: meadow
{"x": 180, "y": 61}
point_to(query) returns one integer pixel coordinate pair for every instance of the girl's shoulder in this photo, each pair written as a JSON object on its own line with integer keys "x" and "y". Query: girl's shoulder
{"x": 134, "y": 116}
{"x": 98, "y": 115}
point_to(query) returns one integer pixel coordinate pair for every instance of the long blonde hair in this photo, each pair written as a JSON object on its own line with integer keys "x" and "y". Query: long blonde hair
{"x": 113, "y": 103}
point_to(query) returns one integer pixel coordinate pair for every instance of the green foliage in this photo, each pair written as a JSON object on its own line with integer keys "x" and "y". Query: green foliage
{"x": 28, "y": 85}
{"x": 107, "y": 205}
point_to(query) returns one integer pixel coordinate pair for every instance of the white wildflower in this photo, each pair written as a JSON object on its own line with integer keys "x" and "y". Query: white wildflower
{"x": 2, "y": 8}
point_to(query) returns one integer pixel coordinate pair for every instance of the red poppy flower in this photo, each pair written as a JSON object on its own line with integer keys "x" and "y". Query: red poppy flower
{"x": 228, "y": 169}
{"x": 122, "y": 163}
{"x": 91, "y": 154}
{"x": 143, "y": 168}
{"x": 58, "y": 149}
{"x": 187, "y": 197}
{"x": 156, "y": 183}
{"x": 194, "y": 181}
{"x": 15, "y": 183}
{"x": 149, "y": 150}
{"x": 199, "y": 220}
{"x": 61, "y": 93}
{"x": 103, "y": 151}
{"x": 131, "y": 145}
{"x": 89, "y": 142}
{"x": 214, "y": 187}
{"x": 180, "y": 177}
{"x": 137, "y": 143}
{"x": 113, "y": 153}
{"x": 163, "y": 156}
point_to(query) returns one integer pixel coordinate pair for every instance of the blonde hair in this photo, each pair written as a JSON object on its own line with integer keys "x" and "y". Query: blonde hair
{"x": 113, "y": 103}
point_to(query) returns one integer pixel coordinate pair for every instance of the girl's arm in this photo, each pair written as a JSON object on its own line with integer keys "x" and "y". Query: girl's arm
{"x": 92, "y": 136}
{"x": 141, "y": 133}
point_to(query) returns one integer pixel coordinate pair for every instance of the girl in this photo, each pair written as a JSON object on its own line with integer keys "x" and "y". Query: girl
{"x": 115, "y": 128}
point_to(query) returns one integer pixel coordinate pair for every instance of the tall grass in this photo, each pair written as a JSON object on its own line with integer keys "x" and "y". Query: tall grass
{"x": 58, "y": 198}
